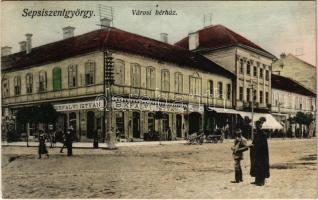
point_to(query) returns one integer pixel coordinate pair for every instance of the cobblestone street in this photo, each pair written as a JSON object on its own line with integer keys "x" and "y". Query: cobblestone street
{"x": 161, "y": 171}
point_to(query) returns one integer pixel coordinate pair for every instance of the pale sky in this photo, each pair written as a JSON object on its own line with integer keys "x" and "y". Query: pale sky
{"x": 276, "y": 26}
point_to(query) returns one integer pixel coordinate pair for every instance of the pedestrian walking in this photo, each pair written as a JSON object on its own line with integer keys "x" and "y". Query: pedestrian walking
{"x": 240, "y": 145}
{"x": 259, "y": 156}
{"x": 69, "y": 141}
{"x": 42, "y": 144}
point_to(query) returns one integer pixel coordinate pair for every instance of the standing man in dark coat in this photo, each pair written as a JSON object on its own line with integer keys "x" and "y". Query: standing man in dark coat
{"x": 259, "y": 156}
{"x": 69, "y": 141}
{"x": 42, "y": 144}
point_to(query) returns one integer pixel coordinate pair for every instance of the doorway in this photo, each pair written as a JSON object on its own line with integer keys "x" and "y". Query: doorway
{"x": 90, "y": 128}
{"x": 178, "y": 125}
{"x": 136, "y": 124}
{"x": 195, "y": 122}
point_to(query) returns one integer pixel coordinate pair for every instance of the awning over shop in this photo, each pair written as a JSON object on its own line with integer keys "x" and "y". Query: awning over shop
{"x": 223, "y": 110}
{"x": 270, "y": 123}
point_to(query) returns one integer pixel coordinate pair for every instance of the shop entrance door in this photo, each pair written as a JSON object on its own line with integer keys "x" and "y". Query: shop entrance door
{"x": 90, "y": 124}
{"x": 178, "y": 125}
{"x": 136, "y": 125}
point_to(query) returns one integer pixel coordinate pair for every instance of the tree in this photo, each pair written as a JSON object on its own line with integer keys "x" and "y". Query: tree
{"x": 303, "y": 119}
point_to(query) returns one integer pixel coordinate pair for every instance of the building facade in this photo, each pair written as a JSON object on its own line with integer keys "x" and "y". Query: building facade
{"x": 290, "y": 97}
{"x": 251, "y": 64}
{"x": 157, "y": 86}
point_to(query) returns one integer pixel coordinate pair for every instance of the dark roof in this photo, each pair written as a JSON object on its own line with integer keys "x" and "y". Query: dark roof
{"x": 287, "y": 84}
{"x": 218, "y": 36}
{"x": 117, "y": 40}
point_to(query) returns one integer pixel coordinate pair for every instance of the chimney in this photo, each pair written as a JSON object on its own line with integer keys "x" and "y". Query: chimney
{"x": 164, "y": 37}
{"x": 68, "y": 32}
{"x": 283, "y": 55}
{"x": 5, "y": 51}
{"x": 193, "y": 40}
{"x": 22, "y": 45}
{"x": 28, "y": 42}
{"x": 105, "y": 22}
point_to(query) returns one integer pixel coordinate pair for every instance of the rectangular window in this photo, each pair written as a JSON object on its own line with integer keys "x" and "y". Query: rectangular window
{"x": 220, "y": 88}
{"x": 248, "y": 94}
{"x": 89, "y": 73}
{"x": 255, "y": 71}
{"x": 211, "y": 89}
{"x": 241, "y": 94}
{"x": 241, "y": 67}
{"x": 254, "y": 95}
{"x": 261, "y": 96}
{"x": 267, "y": 75}
{"x": 151, "y": 78}
{"x": 261, "y": 73}
{"x": 228, "y": 93}
{"x": 248, "y": 68}
{"x": 266, "y": 98}
{"x": 179, "y": 82}
{"x": 165, "y": 80}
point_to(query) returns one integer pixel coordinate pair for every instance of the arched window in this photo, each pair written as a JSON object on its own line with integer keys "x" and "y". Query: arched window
{"x": 119, "y": 68}
{"x": 90, "y": 73}
{"x": 195, "y": 84}
{"x": 72, "y": 76}
{"x": 29, "y": 83}
{"x": 179, "y": 82}
{"x": 5, "y": 87}
{"x": 57, "y": 79}
{"x": 165, "y": 80}
{"x": 42, "y": 81}
{"x": 151, "y": 78}
{"x": 17, "y": 85}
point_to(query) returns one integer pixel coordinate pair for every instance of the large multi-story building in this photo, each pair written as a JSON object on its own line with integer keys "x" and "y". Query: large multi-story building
{"x": 290, "y": 97}
{"x": 294, "y": 68}
{"x": 249, "y": 62}
{"x": 151, "y": 77}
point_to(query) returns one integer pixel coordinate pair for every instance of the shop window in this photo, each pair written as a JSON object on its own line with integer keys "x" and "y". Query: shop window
{"x": 151, "y": 78}
{"x": 17, "y": 85}
{"x": 57, "y": 79}
{"x": 5, "y": 87}
{"x": 119, "y": 72}
{"x": 72, "y": 76}
{"x": 120, "y": 126}
{"x": 29, "y": 83}
{"x": 90, "y": 73}
{"x": 165, "y": 80}
{"x": 179, "y": 82}
{"x": 42, "y": 81}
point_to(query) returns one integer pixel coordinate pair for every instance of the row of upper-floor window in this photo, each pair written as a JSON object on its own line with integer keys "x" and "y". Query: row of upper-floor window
{"x": 250, "y": 95}
{"x": 248, "y": 67}
{"x": 195, "y": 81}
{"x": 293, "y": 101}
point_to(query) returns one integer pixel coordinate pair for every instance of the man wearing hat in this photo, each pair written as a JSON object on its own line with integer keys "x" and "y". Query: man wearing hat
{"x": 240, "y": 145}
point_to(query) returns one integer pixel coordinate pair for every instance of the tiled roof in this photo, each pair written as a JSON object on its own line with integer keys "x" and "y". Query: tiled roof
{"x": 218, "y": 36}
{"x": 287, "y": 84}
{"x": 114, "y": 39}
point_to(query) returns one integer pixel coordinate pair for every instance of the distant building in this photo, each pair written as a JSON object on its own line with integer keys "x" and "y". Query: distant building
{"x": 292, "y": 67}
{"x": 290, "y": 97}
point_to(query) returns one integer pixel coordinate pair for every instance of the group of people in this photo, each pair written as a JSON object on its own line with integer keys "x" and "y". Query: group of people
{"x": 67, "y": 142}
{"x": 258, "y": 155}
